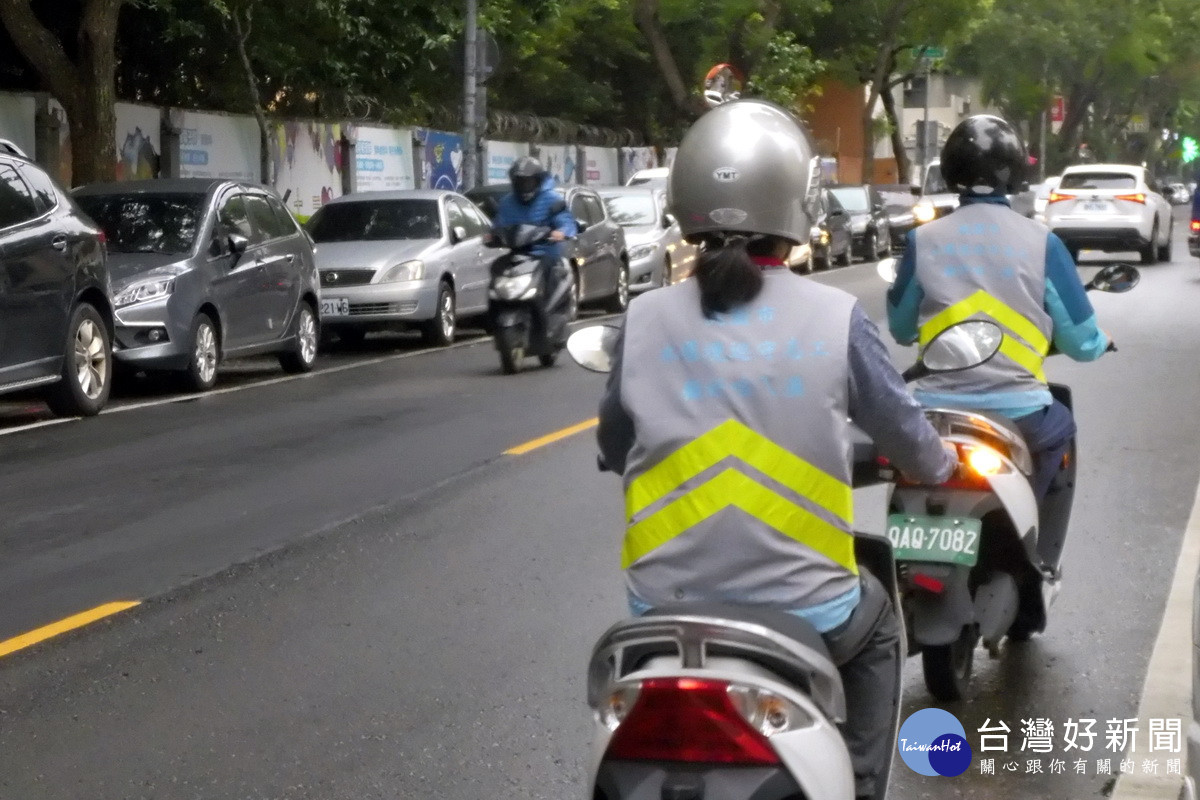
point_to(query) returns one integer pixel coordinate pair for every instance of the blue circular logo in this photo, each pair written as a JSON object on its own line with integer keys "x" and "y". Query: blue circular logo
{"x": 933, "y": 742}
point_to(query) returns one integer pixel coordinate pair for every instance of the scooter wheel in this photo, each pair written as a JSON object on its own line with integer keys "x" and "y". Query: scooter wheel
{"x": 511, "y": 353}
{"x": 948, "y": 667}
{"x": 548, "y": 359}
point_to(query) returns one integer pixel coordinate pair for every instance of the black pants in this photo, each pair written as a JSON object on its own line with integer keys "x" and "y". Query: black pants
{"x": 554, "y": 315}
{"x": 866, "y": 650}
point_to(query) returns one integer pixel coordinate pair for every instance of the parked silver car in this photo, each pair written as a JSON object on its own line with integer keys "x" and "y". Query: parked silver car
{"x": 658, "y": 255}
{"x": 411, "y": 258}
{"x": 203, "y": 270}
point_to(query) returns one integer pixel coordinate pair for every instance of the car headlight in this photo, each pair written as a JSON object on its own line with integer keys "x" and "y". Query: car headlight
{"x": 924, "y": 212}
{"x": 519, "y": 287}
{"x": 642, "y": 251}
{"x": 146, "y": 290}
{"x": 404, "y": 271}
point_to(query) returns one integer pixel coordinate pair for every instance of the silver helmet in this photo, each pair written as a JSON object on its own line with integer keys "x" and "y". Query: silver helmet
{"x": 746, "y": 167}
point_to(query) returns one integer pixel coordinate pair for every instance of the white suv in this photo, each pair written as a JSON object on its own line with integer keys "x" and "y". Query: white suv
{"x": 1111, "y": 207}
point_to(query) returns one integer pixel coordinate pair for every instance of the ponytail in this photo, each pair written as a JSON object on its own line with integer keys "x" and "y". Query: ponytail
{"x": 727, "y": 275}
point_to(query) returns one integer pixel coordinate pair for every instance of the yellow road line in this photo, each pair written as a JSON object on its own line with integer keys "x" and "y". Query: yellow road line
{"x": 63, "y": 625}
{"x": 551, "y": 438}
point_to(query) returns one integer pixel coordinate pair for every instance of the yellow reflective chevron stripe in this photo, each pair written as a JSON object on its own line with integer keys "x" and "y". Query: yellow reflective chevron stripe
{"x": 1030, "y": 356}
{"x": 732, "y": 438}
{"x": 733, "y": 488}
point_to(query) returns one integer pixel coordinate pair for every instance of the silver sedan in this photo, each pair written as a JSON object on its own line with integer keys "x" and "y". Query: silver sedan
{"x": 401, "y": 259}
{"x": 658, "y": 255}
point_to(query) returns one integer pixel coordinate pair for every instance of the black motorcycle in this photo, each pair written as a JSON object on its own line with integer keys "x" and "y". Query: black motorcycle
{"x": 528, "y": 309}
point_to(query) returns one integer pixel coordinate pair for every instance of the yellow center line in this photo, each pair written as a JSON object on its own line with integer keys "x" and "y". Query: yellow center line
{"x": 63, "y": 625}
{"x": 551, "y": 438}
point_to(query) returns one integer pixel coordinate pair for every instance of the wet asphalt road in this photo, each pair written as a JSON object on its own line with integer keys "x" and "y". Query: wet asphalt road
{"x": 350, "y": 592}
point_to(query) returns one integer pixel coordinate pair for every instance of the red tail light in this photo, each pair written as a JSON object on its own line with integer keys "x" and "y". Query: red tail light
{"x": 685, "y": 719}
{"x": 103, "y": 238}
{"x": 1133, "y": 198}
{"x": 1195, "y": 226}
{"x": 928, "y": 583}
{"x": 1057, "y": 196}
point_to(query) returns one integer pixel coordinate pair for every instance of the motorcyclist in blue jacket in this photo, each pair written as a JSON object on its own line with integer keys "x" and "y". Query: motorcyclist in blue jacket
{"x": 534, "y": 201}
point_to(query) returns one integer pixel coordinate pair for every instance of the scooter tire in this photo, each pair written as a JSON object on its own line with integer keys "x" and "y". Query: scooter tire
{"x": 948, "y": 667}
{"x": 548, "y": 359}
{"x": 512, "y": 355}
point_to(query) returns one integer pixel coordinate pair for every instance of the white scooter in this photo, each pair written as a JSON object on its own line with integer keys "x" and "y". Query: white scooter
{"x": 727, "y": 702}
{"x": 977, "y": 560}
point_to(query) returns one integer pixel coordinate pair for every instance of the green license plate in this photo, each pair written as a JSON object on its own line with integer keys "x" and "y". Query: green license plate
{"x": 946, "y": 540}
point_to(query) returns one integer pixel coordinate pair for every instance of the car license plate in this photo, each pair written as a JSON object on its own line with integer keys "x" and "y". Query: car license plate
{"x": 1096, "y": 205}
{"x": 948, "y": 540}
{"x": 335, "y": 307}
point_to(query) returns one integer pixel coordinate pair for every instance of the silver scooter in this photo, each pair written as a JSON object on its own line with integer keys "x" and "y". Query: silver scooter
{"x": 977, "y": 559}
{"x": 725, "y": 702}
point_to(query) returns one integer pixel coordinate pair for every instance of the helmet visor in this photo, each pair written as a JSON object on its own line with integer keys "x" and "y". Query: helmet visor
{"x": 526, "y": 186}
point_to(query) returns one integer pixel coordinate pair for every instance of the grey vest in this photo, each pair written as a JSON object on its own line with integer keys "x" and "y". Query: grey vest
{"x": 738, "y": 483}
{"x": 986, "y": 261}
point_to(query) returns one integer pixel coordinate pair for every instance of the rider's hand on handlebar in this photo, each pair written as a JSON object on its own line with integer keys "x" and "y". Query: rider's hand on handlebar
{"x": 557, "y": 236}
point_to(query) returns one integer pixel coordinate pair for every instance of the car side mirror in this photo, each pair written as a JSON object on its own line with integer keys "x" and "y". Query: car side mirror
{"x": 668, "y": 220}
{"x": 238, "y": 244}
{"x": 581, "y": 226}
{"x": 458, "y": 234}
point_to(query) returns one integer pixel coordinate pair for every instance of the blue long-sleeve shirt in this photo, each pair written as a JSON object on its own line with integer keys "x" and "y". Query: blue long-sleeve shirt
{"x": 1076, "y": 332}
{"x": 547, "y": 209}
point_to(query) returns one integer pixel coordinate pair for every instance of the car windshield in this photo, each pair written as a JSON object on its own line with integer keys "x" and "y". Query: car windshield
{"x": 631, "y": 210}
{"x": 1098, "y": 180}
{"x": 376, "y": 221}
{"x": 934, "y": 183}
{"x": 852, "y": 199}
{"x": 146, "y": 223}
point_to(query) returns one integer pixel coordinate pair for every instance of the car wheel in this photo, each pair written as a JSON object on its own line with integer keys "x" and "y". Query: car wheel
{"x": 1164, "y": 251}
{"x": 821, "y": 260}
{"x": 620, "y": 299}
{"x": 1149, "y": 252}
{"x": 846, "y": 257}
{"x": 440, "y": 330}
{"x": 86, "y": 369}
{"x": 666, "y": 276}
{"x": 886, "y": 250}
{"x": 303, "y": 352}
{"x": 204, "y": 355}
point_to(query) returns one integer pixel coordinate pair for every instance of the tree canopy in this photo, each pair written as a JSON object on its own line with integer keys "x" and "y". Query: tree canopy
{"x": 624, "y": 65}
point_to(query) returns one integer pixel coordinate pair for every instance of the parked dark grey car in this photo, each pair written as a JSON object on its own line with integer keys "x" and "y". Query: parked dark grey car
{"x": 55, "y": 311}
{"x": 599, "y": 255}
{"x": 205, "y": 270}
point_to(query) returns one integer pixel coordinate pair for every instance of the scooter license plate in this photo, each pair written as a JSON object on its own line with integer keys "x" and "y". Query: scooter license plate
{"x": 946, "y": 540}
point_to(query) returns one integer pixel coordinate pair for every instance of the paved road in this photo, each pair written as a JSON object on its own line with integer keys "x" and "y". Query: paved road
{"x": 351, "y": 593}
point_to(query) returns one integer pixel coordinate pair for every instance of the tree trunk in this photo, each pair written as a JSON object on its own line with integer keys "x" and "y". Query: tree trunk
{"x": 645, "y": 15}
{"x": 897, "y": 136}
{"x": 241, "y": 35}
{"x": 881, "y": 71}
{"x": 85, "y": 89}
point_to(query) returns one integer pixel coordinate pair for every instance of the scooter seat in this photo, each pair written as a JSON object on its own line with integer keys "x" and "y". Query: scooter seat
{"x": 790, "y": 625}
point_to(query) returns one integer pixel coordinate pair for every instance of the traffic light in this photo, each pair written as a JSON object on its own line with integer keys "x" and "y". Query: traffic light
{"x": 1191, "y": 150}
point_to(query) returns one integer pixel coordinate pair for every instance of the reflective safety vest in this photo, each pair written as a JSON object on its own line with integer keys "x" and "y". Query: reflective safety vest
{"x": 738, "y": 484}
{"x": 985, "y": 261}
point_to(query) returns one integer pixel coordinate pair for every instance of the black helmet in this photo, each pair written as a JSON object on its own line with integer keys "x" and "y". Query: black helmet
{"x": 984, "y": 151}
{"x": 527, "y": 176}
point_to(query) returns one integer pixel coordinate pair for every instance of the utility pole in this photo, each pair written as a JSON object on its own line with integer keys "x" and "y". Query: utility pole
{"x": 470, "y": 84}
{"x": 928, "y": 62}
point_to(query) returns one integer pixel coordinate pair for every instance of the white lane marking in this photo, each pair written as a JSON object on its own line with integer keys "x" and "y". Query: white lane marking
{"x": 1167, "y": 692}
{"x": 183, "y": 398}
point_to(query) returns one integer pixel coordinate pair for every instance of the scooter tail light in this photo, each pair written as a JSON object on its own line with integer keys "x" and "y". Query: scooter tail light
{"x": 690, "y": 720}
{"x": 927, "y": 582}
{"x": 1195, "y": 226}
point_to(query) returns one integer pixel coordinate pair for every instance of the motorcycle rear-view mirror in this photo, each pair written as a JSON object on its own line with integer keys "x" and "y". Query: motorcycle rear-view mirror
{"x": 1115, "y": 278}
{"x": 594, "y": 347}
{"x": 887, "y": 269}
